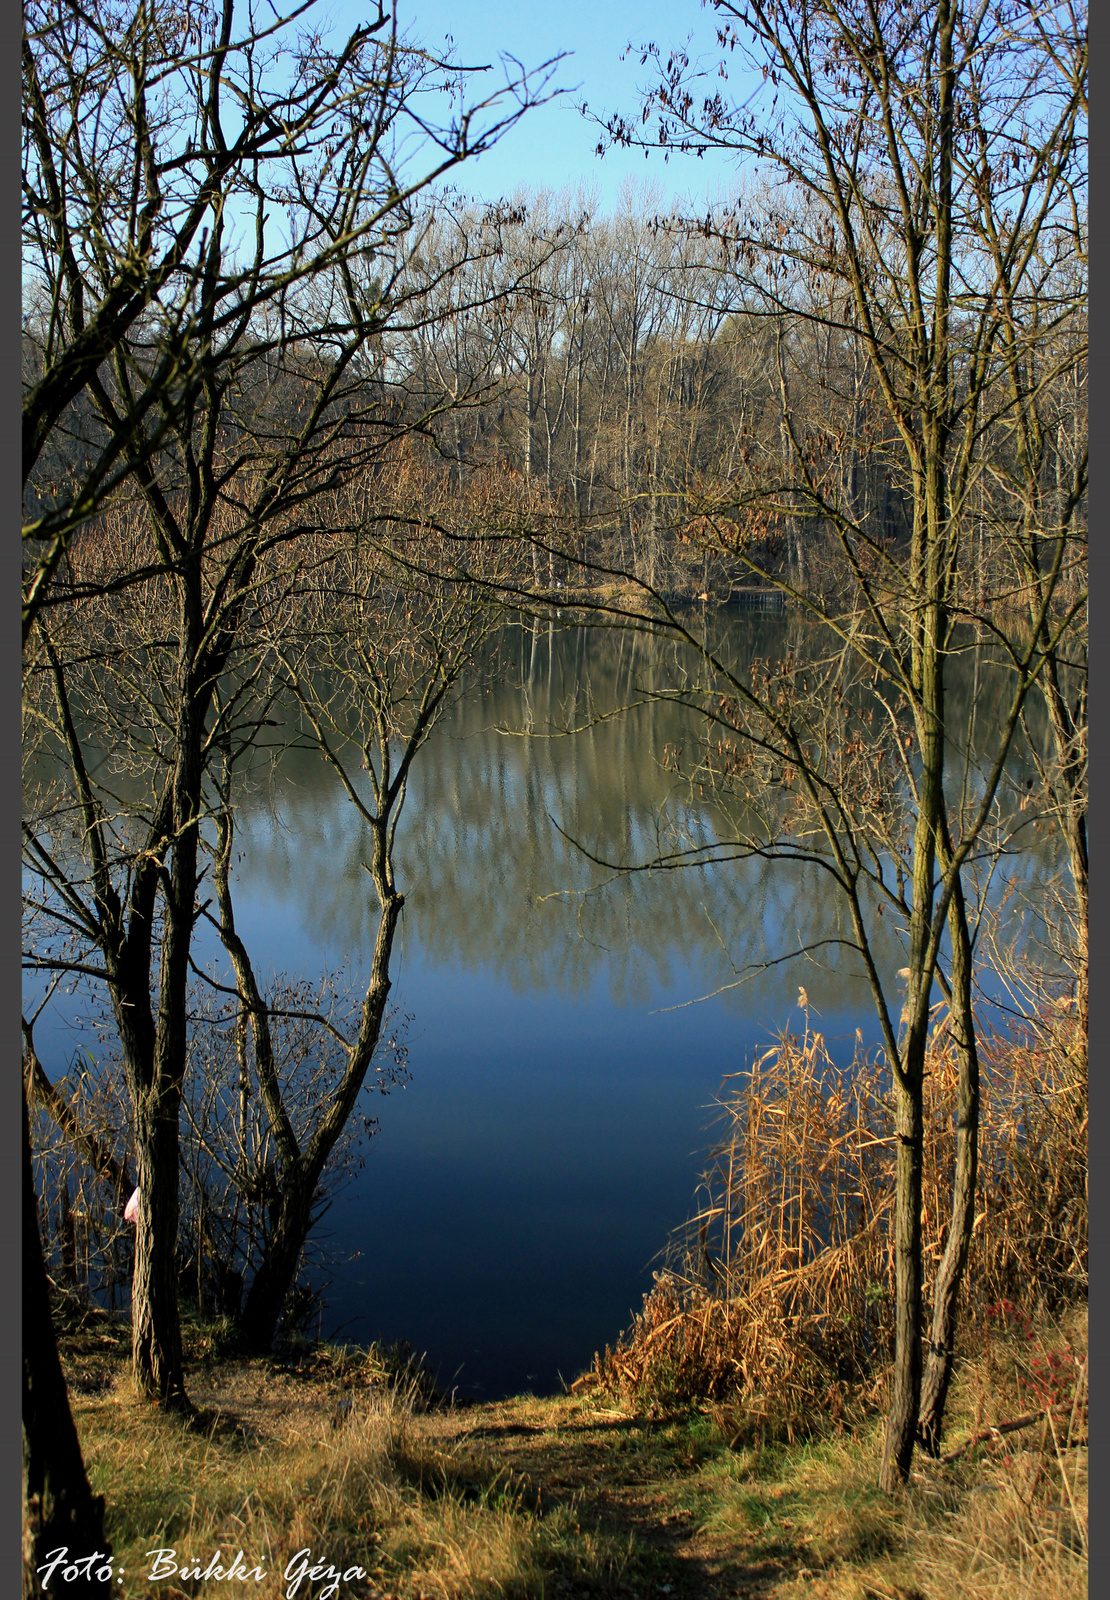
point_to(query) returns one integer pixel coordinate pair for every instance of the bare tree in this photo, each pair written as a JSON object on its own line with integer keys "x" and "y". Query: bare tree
{"x": 378, "y": 653}
{"x": 239, "y": 277}
{"x": 932, "y": 157}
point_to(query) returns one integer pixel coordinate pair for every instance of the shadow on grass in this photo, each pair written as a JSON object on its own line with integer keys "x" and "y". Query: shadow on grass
{"x": 633, "y": 1484}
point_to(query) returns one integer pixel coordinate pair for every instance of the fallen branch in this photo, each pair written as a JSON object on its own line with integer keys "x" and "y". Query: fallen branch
{"x": 999, "y": 1428}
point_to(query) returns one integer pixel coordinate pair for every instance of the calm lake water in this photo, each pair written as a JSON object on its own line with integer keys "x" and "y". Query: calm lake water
{"x": 563, "y": 1060}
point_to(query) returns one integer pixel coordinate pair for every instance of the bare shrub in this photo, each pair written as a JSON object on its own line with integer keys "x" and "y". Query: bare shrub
{"x": 229, "y": 1167}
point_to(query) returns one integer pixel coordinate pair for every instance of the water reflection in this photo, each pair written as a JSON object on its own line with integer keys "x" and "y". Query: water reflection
{"x": 501, "y": 798}
{"x": 562, "y": 1075}
{"x": 549, "y": 1140}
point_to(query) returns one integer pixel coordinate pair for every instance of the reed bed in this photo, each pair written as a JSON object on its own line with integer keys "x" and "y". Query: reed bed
{"x": 776, "y": 1300}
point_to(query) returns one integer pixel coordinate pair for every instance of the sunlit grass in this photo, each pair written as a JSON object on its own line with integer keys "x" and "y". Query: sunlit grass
{"x": 592, "y": 1498}
{"x": 375, "y": 1491}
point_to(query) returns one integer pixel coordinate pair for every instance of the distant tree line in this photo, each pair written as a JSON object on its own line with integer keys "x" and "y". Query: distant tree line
{"x": 626, "y": 367}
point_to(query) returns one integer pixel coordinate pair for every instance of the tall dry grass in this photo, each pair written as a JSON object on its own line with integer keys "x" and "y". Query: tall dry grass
{"x": 777, "y": 1296}
{"x": 358, "y": 1483}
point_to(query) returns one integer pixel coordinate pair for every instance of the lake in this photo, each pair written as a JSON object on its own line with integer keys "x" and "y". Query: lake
{"x": 567, "y": 1027}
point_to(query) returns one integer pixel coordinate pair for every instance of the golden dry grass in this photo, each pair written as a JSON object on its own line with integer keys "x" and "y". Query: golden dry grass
{"x": 324, "y": 1457}
{"x": 575, "y": 1496}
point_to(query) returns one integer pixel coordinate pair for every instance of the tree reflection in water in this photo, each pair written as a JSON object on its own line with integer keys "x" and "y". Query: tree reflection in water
{"x": 562, "y": 1079}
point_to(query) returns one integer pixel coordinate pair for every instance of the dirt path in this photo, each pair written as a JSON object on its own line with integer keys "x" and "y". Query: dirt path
{"x": 629, "y": 1476}
{"x": 625, "y": 1474}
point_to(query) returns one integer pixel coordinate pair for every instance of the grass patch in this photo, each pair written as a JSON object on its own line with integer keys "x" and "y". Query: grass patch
{"x": 319, "y": 1454}
{"x": 332, "y": 1450}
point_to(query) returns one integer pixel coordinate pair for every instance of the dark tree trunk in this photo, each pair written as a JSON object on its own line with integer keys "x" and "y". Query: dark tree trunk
{"x": 278, "y": 1267}
{"x": 905, "y": 1393}
{"x": 1069, "y": 793}
{"x": 155, "y": 1323}
{"x": 59, "y": 1508}
{"x": 1075, "y": 827}
{"x": 909, "y": 1119}
{"x": 795, "y": 555}
{"x": 155, "y": 1317}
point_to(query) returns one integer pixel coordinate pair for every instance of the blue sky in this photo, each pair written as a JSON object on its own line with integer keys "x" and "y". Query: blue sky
{"x": 554, "y": 146}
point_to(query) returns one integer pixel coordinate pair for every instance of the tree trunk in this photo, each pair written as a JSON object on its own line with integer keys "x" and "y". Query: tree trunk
{"x": 157, "y": 1090}
{"x": 278, "y": 1267}
{"x": 1069, "y": 793}
{"x": 794, "y": 550}
{"x": 906, "y": 1378}
{"x": 928, "y": 670}
{"x": 155, "y": 1323}
{"x": 1075, "y": 828}
{"x": 950, "y": 1273}
{"x": 529, "y": 419}
{"x": 59, "y": 1508}
{"x": 576, "y": 477}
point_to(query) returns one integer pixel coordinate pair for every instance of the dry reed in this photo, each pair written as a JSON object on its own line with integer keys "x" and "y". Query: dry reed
{"x": 777, "y": 1303}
